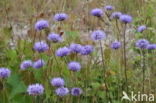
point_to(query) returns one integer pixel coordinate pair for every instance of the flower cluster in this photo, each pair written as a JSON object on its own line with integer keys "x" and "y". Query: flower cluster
{"x": 35, "y": 89}
{"x": 4, "y": 72}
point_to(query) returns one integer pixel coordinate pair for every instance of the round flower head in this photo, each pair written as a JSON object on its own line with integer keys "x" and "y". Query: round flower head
{"x": 35, "y": 89}
{"x": 109, "y": 7}
{"x": 115, "y": 15}
{"x": 57, "y": 82}
{"x": 76, "y": 48}
{"x": 125, "y": 18}
{"x": 26, "y": 64}
{"x": 60, "y": 17}
{"x": 54, "y": 37}
{"x": 141, "y": 28}
{"x": 74, "y": 66}
{"x": 76, "y": 91}
{"x": 142, "y": 43}
{"x": 62, "y": 52}
{"x": 4, "y": 72}
{"x": 87, "y": 49}
{"x": 62, "y": 91}
{"x": 38, "y": 64}
{"x": 97, "y": 12}
{"x": 41, "y": 46}
{"x": 41, "y": 24}
{"x": 151, "y": 46}
{"x": 116, "y": 45}
{"x": 98, "y": 35}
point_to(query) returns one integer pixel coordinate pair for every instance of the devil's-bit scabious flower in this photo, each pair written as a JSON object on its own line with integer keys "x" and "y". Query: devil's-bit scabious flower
{"x": 26, "y": 64}
{"x": 41, "y": 24}
{"x": 41, "y": 46}
{"x": 97, "y": 12}
{"x": 60, "y": 17}
{"x": 98, "y": 35}
{"x": 4, "y": 72}
{"x": 87, "y": 49}
{"x": 74, "y": 66}
{"x": 63, "y": 52}
{"x": 54, "y": 37}
{"x": 115, "y": 15}
{"x": 109, "y": 7}
{"x": 35, "y": 89}
{"x": 141, "y": 28}
{"x": 142, "y": 43}
{"x": 39, "y": 64}
{"x": 116, "y": 45}
{"x": 57, "y": 82}
{"x": 76, "y": 48}
{"x": 125, "y": 18}
{"x": 76, "y": 91}
{"x": 151, "y": 46}
{"x": 62, "y": 91}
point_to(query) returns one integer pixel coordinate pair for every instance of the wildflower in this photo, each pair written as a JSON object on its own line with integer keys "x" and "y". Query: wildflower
{"x": 41, "y": 46}
{"x": 141, "y": 28}
{"x": 26, "y": 64}
{"x": 54, "y": 37}
{"x": 74, "y": 66}
{"x": 60, "y": 16}
{"x": 38, "y": 64}
{"x": 41, "y": 24}
{"x": 98, "y": 35}
{"x": 57, "y": 82}
{"x": 87, "y": 49}
{"x": 125, "y": 18}
{"x": 62, "y": 52}
{"x": 151, "y": 46}
{"x": 62, "y": 91}
{"x": 97, "y": 12}
{"x": 115, "y": 15}
{"x": 76, "y": 91}
{"x": 4, "y": 72}
{"x": 142, "y": 43}
{"x": 35, "y": 89}
{"x": 116, "y": 45}
{"x": 76, "y": 48}
{"x": 109, "y": 7}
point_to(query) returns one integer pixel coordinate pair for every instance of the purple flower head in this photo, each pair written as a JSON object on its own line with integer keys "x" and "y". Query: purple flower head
{"x": 41, "y": 24}
{"x": 4, "y": 72}
{"x": 116, "y": 45}
{"x": 76, "y": 48}
{"x": 74, "y": 66}
{"x": 87, "y": 49}
{"x": 142, "y": 43}
{"x": 125, "y": 18}
{"x": 151, "y": 46}
{"x": 41, "y": 46}
{"x": 62, "y": 52}
{"x": 97, "y": 12}
{"x": 98, "y": 35}
{"x": 116, "y": 15}
{"x": 60, "y": 17}
{"x": 62, "y": 91}
{"x": 35, "y": 89}
{"x": 26, "y": 64}
{"x": 57, "y": 82}
{"x": 141, "y": 28}
{"x": 54, "y": 37}
{"x": 109, "y": 7}
{"x": 39, "y": 64}
{"x": 76, "y": 91}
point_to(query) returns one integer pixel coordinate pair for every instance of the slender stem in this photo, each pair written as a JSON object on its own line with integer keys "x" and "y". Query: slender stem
{"x": 104, "y": 71}
{"x": 143, "y": 70}
{"x": 124, "y": 56}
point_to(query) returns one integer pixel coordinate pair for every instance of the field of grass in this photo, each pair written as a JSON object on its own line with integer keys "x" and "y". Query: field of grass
{"x": 91, "y": 57}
